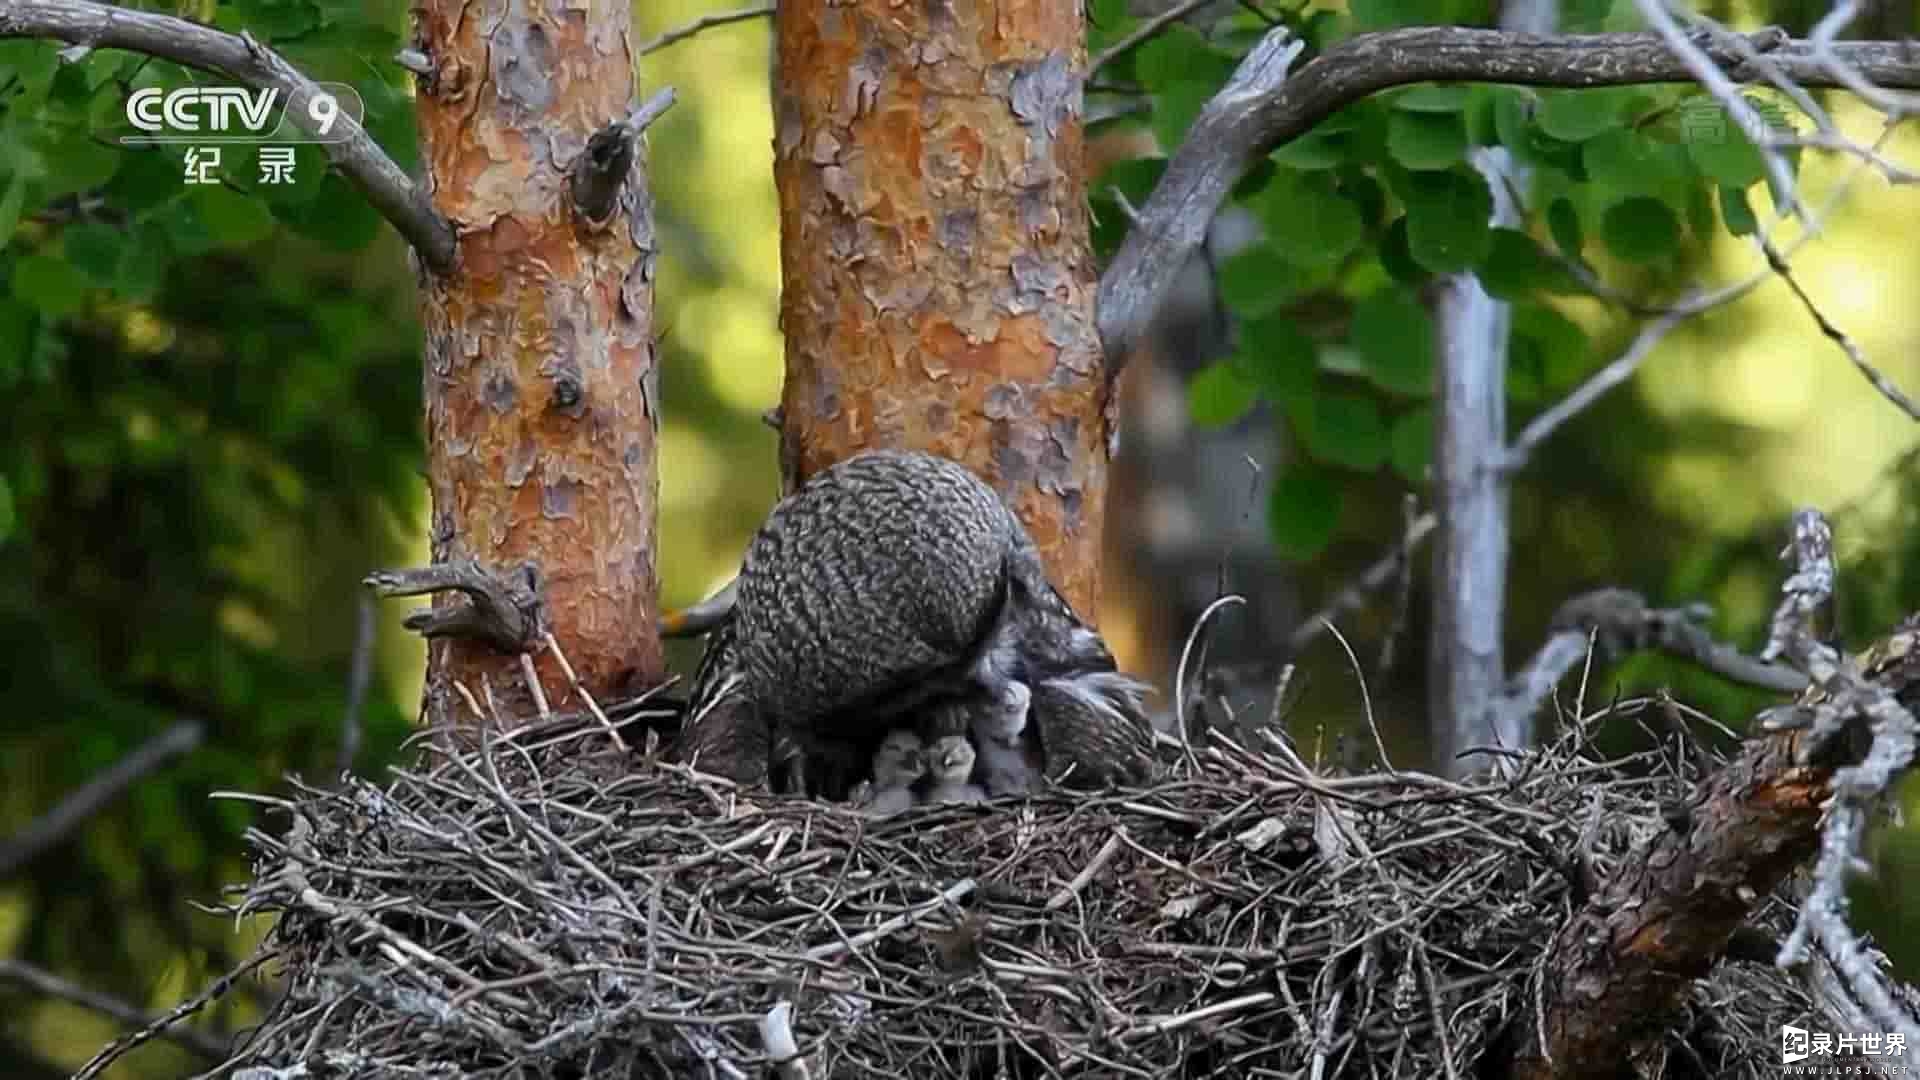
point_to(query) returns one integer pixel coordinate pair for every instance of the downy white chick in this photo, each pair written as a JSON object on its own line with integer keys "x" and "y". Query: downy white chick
{"x": 897, "y": 766}
{"x": 950, "y": 761}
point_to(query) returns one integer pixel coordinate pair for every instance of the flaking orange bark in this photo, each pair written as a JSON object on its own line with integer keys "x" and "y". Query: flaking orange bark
{"x": 540, "y": 367}
{"x": 938, "y": 279}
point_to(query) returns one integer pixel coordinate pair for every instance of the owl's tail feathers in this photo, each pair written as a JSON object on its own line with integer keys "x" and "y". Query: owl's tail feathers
{"x": 1093, "y": 728}
{"x": 724, "y": 735}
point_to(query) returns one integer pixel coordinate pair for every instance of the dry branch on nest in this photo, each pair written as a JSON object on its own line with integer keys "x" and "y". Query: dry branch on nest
{"x": 500, "y": 911}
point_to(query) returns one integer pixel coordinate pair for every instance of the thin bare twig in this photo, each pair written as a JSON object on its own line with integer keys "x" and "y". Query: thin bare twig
{"x": 359, "y": 678}
{"x": 703, "y": 23}
{"x": 1148, "y": 29}
{"x": 124, "y": 1013}
{"x": 53, "y": 827}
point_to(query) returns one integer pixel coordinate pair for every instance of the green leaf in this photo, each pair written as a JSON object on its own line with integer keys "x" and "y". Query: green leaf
{"x": 1276, "y": 359}
{"x": 1700, "y": 216}
{"x": 147, "y": 179}
{"x": 1258, "y": 176}
{"x": 1427, "y": 140}
{"x": 338, "y": 217}
{"x": 1355, "y": 135}
{"x": 1510, "y": 108}
{"x": 1394, "y": 336}
{"x": 1631, "y": 163}
{"x": 1303, "y": 510}
{"x": 50, "y": 284}
{"x": 18, "y": 323}
{"x": 1396, "y": 257}
{"x": 1564, "y": 349}
{"x": 1737, "y": 212}
{"x": 1106, "y": 14}
{"x": 1179, "y": 55}
{"x": 1578, "y": 115}
{"x": 1341, "y": 428}
{"x": 1368, "y": 197}
{"x": 1526, "y": 371}
{"x": 1640, "y": 229}
{"x": 7, "y": 519}
{"x": 1434, "y": 97}
{"x": 1307, "y": 220}
{"x": 232, "y": 219}
{"x": 1382, "y": 14}
{"x": 1312, "y": 150}
{"x": 29, "y": 66}
{"x": 94, "y": 249}
{"x": 1563, "y": 221}
{"x": 1218, "y": 396}
{"x": 1411, "y": 444}
{"x": 12, "y": 198}
{"x": 1135, "y": 177}
{"x": 77, "y": 164}
{"x": 1717, "y": 145}
{"x": 1448, "y": 226}
{"x": 269, "y": 19}
{"x": 1255, "y": 281}
{"x": 1109, "y": 225}
{"x": 1584, "y": 16}
{"x": 1514, "y": 266}
{"x": 143, "y": 266}
{"x": 1176, "y": 107}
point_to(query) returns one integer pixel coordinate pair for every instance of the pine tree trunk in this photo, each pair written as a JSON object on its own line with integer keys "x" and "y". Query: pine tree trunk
{"x": 937, "y": 268}
{"x": 541, "y": 386}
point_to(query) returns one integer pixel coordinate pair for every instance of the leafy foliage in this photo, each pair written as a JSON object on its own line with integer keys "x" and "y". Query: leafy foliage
{"x": 210, "y": 370}
{"x": 1368, "y": 210}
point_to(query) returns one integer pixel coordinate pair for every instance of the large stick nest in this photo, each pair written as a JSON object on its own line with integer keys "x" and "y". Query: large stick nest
{"x": 518, "y": 910}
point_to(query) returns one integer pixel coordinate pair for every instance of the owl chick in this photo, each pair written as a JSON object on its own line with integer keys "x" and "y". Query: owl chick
{"x": 890, "y": 580}
{"x": 950, "y": 764}
{"x": 897, "y": 766}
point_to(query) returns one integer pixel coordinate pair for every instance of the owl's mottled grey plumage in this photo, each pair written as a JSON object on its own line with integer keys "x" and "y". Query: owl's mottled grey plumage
{"x": 888, "y": 586}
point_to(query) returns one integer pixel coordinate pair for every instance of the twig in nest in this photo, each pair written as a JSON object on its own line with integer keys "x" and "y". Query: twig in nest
{"x": 1181, "y": 720}
{"x": 1366, "y": 699}
{"x": 593, "y": 706}
{"x": 47, "y": 984}
{"x": 165, "y": 1023}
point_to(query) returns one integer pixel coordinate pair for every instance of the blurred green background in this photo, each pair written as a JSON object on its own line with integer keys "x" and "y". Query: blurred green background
{"x": 210, "y": 400}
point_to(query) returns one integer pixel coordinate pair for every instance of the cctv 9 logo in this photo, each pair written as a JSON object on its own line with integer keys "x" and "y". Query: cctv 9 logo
{"x": 323, "y": 113}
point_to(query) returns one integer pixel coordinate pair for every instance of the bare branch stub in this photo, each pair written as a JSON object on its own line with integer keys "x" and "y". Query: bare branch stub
{"x": 600, "y": 172}
{"x": 238, "y": 56}
{"x": 502, "y": 610}
{"x": 1621, "y": 622}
